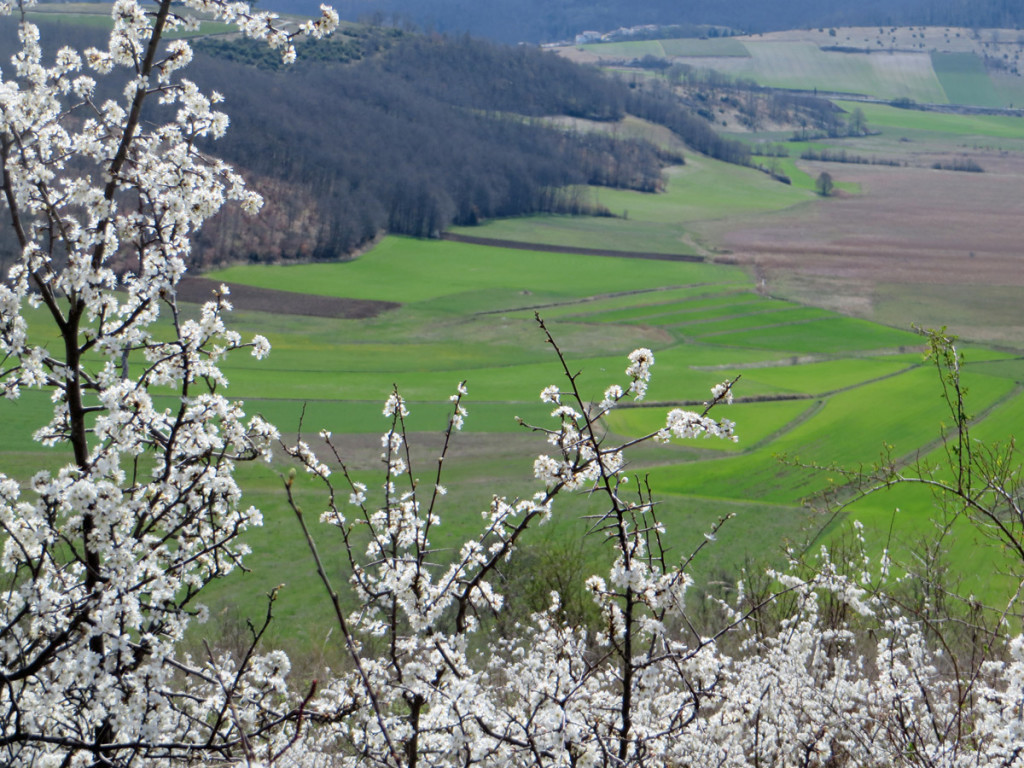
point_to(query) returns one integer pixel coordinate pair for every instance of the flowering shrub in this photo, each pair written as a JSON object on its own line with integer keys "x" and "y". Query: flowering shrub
{"x": 826, "y": 669}
{"x": 105, "y": 560}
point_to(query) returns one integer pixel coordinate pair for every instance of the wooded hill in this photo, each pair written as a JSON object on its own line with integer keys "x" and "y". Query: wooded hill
{"x": 381, "y": 131}
{"x": 430, "y": 132}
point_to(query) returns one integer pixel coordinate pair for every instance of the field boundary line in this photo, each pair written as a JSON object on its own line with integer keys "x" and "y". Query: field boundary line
{"x": 542, "y": 248}
{"x": 615, "y": 295}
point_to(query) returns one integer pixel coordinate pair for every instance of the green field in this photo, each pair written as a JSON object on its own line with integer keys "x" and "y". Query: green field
{"x": 852, "y": 385}
{"x": 721, "y": 46}
{"x": 812, "y": 385}
{"x": 963, "y": 127}
{"x": 815, "y": 387}
{"x": 630, "y": 49}
{"x": 703, "y": 189}
{"x": 637, "y": 49}
{"x": 965, "y": 79}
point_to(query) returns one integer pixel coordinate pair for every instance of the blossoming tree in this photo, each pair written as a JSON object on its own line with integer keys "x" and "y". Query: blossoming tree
{"x": 104, "y": 559}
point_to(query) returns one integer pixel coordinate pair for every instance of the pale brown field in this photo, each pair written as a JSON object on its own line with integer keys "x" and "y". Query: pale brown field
{"x": 915, "y": 246}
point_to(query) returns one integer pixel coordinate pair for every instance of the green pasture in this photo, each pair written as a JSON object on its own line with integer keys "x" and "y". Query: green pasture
{"x": 637, "y": 49}
{"x": 703, "y": 189}
{"x": 761, "y": 421}
{"x": 639, "y": 303}
{"x": 963, "y": 127}
{"x": 901, "y": 517}
{"x": 800, "y": 179}
{"x": 850, "y": 429}
{"x": 726, "y": 304}
{"x": 821, "y": 378}
{"x": 614, "y": 234}
{"x": 725, "y": 321}
{"x": 965, "y": 79}
{"x": 408, "y": 270}
{"x": 627, "y": 49}
{"x": 718, "y": 46}
{"x": 824, "y": 388}
{"x": 1010, "y": 88}
{"x": 838, "y": 334}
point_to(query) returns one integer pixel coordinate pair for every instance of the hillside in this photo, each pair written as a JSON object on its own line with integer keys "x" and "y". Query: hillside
{"x": 541, "y": 21}
{"x": 432, "y": 132}
{"x": 417, "y": 133}
{"x": 924, "y": 65}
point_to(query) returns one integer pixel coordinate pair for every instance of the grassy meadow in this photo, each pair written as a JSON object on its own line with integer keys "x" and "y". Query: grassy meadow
{"x": 701, "y": 190}
{"x": 816, "y": 389}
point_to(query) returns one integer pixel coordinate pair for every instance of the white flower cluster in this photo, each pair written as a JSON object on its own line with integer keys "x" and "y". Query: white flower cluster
{"x": 687, "y": 424}
{"x": 639, "y": 371}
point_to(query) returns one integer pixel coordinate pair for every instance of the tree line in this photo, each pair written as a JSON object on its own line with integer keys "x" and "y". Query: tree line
{"x": 386, "y": 131}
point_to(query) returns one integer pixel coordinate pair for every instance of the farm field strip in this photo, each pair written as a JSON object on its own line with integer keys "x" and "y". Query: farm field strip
{"x": 805, "y": 66}
{"x": 836, "y": 334}
{"x": 722, "y": 46}
{"x": 620, "y": 234}
{"x": 965, "y": 79}
{"x": 962, "y": 127}
{"x": 759, "y": 420}
{"x": 764, "y": 317}
{"x": 347, "y": 368}
{"x": 713, "y": 306}
{"x": 406, "y": 270}
{"x": 850, "y": 430}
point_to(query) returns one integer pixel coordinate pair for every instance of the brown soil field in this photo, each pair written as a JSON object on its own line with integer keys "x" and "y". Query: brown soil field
{"x": 246, "y": 297}
{"x": 915, "y": 246}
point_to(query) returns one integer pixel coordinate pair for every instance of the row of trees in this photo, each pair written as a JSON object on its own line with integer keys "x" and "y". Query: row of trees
{"x": 106, "y": 558}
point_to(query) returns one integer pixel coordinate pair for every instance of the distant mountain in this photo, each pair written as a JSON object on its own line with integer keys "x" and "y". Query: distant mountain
{"x": 551, "y": 20}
